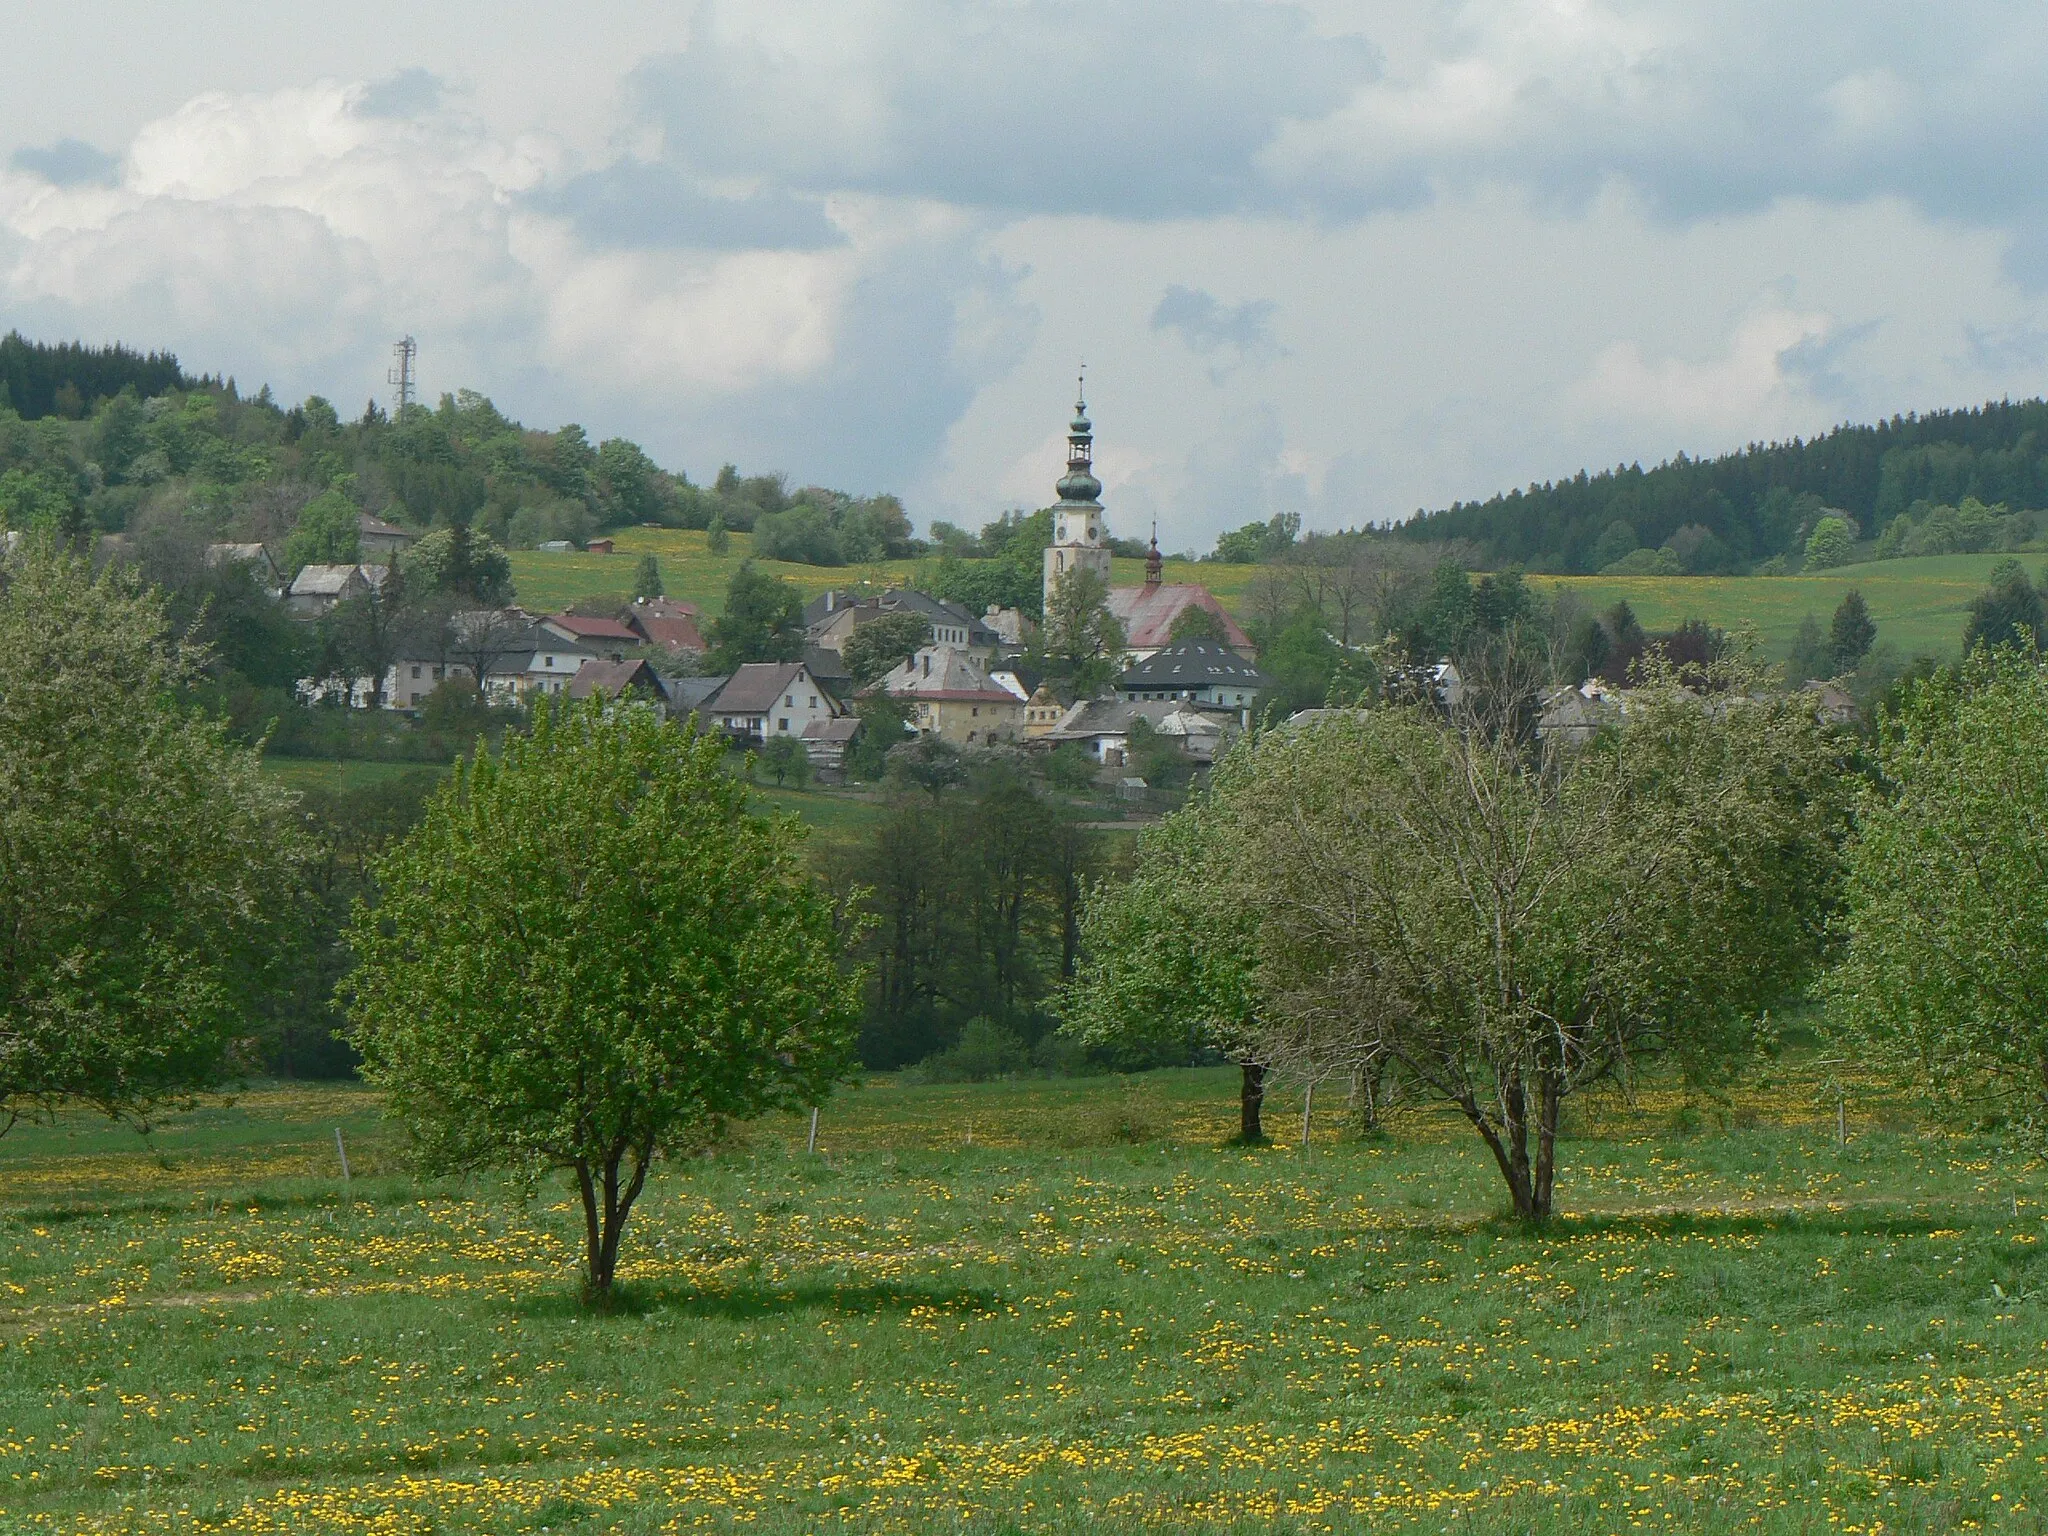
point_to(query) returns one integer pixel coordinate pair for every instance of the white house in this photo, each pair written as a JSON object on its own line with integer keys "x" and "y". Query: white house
{"x": 769, "y": 698}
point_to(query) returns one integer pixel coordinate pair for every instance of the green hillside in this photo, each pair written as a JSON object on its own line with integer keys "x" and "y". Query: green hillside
{"x": 689, "y": 571}
{"x": 1920, "y": 605}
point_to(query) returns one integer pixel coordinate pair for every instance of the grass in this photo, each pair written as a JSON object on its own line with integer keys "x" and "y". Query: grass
{"x": 1920, "y": 606}
{"x": 339, "y": 775}
{"x": 981, "y": 1312}
{"x": 689, "y": 571}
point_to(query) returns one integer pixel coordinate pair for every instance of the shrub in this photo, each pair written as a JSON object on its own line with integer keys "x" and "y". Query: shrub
{"x": 984, "y": 1051}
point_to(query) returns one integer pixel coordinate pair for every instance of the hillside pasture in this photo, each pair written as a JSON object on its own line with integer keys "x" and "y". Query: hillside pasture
{"x": 1920, "y": 606}
{"x": 1044, "y": 1306}
{"x": 547, "y": 583}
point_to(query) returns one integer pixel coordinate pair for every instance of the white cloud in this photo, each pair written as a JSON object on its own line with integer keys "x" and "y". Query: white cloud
{"x": 294, "y": 234}
{"x": 1751, "y": 388}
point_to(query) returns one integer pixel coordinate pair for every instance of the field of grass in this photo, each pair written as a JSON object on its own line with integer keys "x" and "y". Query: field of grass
{"x": 548, "y": 583}
{"x": 981, "y": 1311}
{"x": 337, "y": 775}
{"x": 1920, "y": 605}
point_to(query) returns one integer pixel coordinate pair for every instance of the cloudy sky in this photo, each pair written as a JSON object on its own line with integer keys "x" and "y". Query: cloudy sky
{"x": 1336, "y": 256}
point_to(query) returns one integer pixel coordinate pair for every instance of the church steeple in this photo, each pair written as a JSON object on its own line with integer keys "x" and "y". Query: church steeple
{"x": 1079, "y": 483}
{"x": 1077, "y": 522}
{"x": 1155, "y": 563}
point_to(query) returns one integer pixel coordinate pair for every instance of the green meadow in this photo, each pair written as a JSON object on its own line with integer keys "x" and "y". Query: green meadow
{"x": 1920, "y": 605}
{"x": 547, "y": 583}
{"x": 1032, "y": 1306}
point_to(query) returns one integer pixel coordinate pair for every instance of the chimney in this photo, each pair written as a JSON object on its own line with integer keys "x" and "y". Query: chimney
{"x": 927, "y": 663}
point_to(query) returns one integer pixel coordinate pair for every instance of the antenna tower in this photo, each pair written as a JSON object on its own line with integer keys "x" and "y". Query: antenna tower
{"x": 400, "y": 377}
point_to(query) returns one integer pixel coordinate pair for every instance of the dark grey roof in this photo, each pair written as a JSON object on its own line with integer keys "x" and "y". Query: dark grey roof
{"x": 1193, "y": 665}
{"x": 754, "y": 689}
{"x": 689, "y": 693}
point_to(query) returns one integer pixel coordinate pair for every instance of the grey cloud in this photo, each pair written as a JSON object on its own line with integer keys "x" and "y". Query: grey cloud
{"x": 68, "y": 163}
{"x": 1155, "y": 108}
{"x": 407, "y": 93}
{"x": 636, "y": 205}
{"x": 1700, "y": 114}
{"x": 1208, "y": 325}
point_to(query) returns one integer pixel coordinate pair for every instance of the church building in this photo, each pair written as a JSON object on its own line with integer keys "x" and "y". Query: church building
{"x": 1080, "y": 542}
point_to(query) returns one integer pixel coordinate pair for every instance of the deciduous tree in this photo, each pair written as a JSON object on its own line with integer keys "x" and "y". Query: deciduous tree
{"x": 1510, "y": 929}
{"x": 149, "y": 866}
{"x": 589, "y": 954}
{"x": 1945, "y": 973}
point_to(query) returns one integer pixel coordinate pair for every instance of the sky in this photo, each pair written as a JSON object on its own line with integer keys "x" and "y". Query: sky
{"x": 1335, "y": 257}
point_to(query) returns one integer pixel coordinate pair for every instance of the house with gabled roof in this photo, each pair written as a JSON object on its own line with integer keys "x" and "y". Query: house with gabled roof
{"x": 1199, "y": 671}
{"x": 952, "y": 697}
{"x": 769, "y": 698}
{"x": 677, "y": 627}
{"x": 379, "y": 542}
{"x": 619, "y": 680}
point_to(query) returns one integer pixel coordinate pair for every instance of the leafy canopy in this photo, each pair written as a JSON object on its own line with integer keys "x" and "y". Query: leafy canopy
{"x": 150, "y": 868}
{"x": 588, "y": 954}
{"x": 1945, "y": 974}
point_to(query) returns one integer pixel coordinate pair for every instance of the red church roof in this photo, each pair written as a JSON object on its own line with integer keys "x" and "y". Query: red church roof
{"x": 1147, "y": 614}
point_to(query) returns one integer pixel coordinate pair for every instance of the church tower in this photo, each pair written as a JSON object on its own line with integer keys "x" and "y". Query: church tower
{"x": 1077, "y": 520}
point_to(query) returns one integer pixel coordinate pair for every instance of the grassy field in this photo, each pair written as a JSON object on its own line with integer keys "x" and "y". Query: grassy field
{"x": 548, "y": 583}
{"x": 337, "y": 775}
{"x": 981, "y": 1312}
{"x": 1920, "y": 605}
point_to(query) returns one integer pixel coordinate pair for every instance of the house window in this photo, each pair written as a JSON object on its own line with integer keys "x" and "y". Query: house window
{"x": 551, "y": 661}
{"x": 788, "y": 701}
{"x": 415, "y": 671}
{"x": 814, "y": 701}
{"x": 977, "y": 714}
{"x": 782, "y": 725}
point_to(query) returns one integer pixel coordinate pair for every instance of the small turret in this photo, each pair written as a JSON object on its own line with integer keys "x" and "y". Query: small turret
{"x": 1155, "y": 564}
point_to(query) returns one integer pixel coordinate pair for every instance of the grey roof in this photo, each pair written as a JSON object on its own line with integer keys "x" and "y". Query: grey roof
{"x": 1192, "y": 665}
{"x": 612, "y": 678}
{"x": 687, "y": 694}
{"x": 754, "y": 689}
{"x": 842, "y": 729}
{"x": 325, "y": 580}
{"x": 1106, "y": 717}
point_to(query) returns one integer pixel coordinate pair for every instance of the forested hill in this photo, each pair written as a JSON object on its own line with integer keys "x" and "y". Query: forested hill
{"x": 116, "y": 441}
{"x": 1742, "y": 509}
{"x": 71, "y": 379}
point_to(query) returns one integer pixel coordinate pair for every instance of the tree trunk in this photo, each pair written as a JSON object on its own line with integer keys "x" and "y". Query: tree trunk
{"x": 1549, "y": 1107}
{"x": 1251, "y": 1094}
{"x": 606, "y": 1205}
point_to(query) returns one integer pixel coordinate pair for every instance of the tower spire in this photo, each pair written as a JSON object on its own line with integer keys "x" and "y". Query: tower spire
{"x": 1155, "y": 563}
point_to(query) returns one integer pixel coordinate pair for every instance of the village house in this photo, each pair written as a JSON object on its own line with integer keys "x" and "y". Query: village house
{"x": 687, "y": 696}
{"x": 1042, "y": 712}
{"x": 826, "y": 742}
{"x": 831, "y": 618}
{"x": 620, "y": 681}
{"x": 601, "y": 637}
{"x": 318, "y": 588}
{"x": 675, "y": 627}
{"x": 1200, "y": 671}
{"x": 381, "y": 543}
{"x": 953, "y": 698}
{"x": 1102, "y": 727}
{"x": 262, "y": 564}
{"x": 770, "y": 698}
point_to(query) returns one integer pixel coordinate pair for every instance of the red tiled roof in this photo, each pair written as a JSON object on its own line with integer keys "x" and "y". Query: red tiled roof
{"x": 667, "y": 623}
{"x": 1147, "y": 614}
